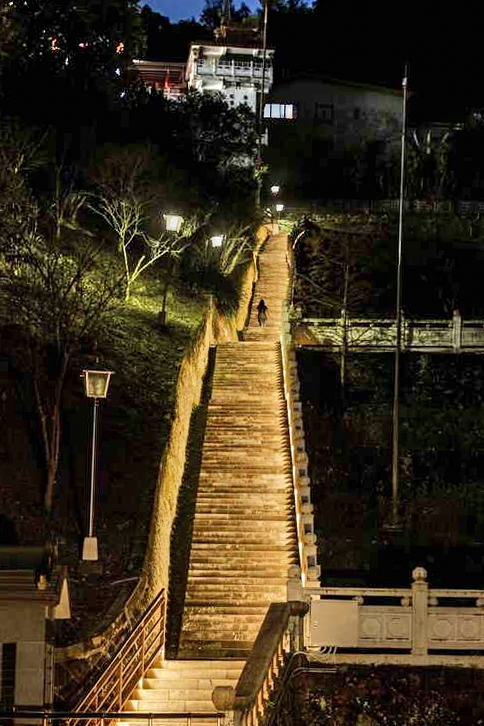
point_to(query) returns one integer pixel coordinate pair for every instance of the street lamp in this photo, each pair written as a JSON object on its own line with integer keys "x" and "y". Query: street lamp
{"x": 217, "y": 240}
{"x": 275, "y": 189}
{"x": 173, "y": 223}
{"x": 96, "y": 384}
{"x": 279, "y": 208}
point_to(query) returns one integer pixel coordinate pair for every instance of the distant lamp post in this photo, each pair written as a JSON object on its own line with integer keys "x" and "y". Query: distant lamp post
{"x": 173, "y": 223}
{"x": 279, "y": 208}
{"x": 275, "y": 189}
{"x": 96, "y": 384}
{"x": 217, "y": 240}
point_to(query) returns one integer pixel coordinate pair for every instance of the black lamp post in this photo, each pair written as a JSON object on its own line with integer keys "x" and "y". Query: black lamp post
{"x": 173, "y": 223}
{"x": 96, "y": 383}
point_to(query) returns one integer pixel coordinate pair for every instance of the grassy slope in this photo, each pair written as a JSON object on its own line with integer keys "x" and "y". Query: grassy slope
{"x": 133, "y": 426}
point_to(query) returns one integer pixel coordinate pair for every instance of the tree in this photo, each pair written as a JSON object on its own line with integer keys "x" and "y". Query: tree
{"x": 213, "y": 133}
{"x": 55, "y": 299}
{"x": 332, "y": 279}
{"x": 77, "y": 51}
{"x": 126, "y": 217}
{"x": 211, "y": 14}
{"x": 127, "y": 187}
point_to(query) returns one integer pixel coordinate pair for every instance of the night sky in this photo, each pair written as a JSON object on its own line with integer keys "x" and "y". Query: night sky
{"x": 185, "y": 9}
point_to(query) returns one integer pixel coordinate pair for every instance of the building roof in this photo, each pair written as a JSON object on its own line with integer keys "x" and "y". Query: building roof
{"x": 317, "y": 77}
{"x": 161, "y": 72}
{"x": 229, "y": 44}
{"x": 30, "y": 574}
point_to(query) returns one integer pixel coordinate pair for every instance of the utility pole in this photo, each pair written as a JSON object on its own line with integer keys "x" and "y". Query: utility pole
{"x": 260, "y": 114}
{"x": 398, "y": 322}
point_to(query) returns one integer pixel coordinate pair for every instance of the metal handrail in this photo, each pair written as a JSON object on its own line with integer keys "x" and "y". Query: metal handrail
{"x": 115, "y": 685}
{"x": 106, "y": 717}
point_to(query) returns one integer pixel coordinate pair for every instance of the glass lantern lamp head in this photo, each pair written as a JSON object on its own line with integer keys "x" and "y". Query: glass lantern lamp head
{"x": 217, "y": 240}
{"x": 96, "y": 383}
{"x": 279, "y": 207}
{"x": 275, "y": 189}
{"x": 173, "y": 222}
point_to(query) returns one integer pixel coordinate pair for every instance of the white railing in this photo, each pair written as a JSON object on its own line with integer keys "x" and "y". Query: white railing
{"x": 299, "y": 458}
{"x": 443, "y": 206}
{"x": 418, "y": 619}
{"x": 451, "y": 335}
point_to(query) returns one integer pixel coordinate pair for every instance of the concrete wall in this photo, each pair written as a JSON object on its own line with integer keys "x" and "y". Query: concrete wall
{"x": 23, "y": 623}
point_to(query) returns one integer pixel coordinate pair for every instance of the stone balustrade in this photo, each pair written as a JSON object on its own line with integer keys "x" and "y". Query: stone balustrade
{"x": 365, "y": 335}
{"x": 417, "y": 621}
{"x": 299, "y": 458}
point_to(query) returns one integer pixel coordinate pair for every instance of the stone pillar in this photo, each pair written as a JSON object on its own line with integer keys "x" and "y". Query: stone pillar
{"x": 420, "y": 592}
{"x": 295, "y": 591}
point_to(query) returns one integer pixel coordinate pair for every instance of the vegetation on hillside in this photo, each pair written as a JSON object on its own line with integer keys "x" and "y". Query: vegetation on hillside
{"x": 90, "y": 163}
{"x": 441, "y": 423}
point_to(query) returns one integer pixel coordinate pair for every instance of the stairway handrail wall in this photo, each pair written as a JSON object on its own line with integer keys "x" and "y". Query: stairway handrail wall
{"x": 304, "y": 510}
{"x": 135, "y": 656}
{"x": 281, "y": 633}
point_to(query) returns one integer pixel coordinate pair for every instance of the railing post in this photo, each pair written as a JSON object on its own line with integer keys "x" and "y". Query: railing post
{"x": 120, "y": 685}
{"x": 456, "y": 330}
{"x": 143, "y": 639}
{"x": 420, "y": 593}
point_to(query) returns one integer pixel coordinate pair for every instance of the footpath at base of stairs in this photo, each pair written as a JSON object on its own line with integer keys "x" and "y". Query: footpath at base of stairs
{"x": 244, "y": 537}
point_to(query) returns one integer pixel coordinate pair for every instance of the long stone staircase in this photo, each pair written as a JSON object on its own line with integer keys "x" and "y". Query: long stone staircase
{"x": 244, "y": 536}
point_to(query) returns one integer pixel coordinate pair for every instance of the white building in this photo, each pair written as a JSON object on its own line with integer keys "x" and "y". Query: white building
{"x": 233, "y": 70}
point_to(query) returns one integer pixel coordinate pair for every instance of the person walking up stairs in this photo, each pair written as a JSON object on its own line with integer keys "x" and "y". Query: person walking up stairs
{"x": 244, "y": 537}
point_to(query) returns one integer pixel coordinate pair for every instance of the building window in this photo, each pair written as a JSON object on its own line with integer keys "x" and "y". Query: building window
{"x": 324, "y": 113}
{"x": 200, "y": 62}
{"x": 280, "y": 110}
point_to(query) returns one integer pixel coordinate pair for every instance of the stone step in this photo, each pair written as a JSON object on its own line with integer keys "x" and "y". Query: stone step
{"x": 238, "y": 546}
{"x": 170, "y": 694}
{"x": 226, "y": 524}
{"x": 214, "y": 579}
{"x": 180, "y": 706}
{"x": 218, "y": 648}
{"x": 216, "y": 594}
{"x": 257, "y": 482}
{"x": 240, "y": 537}
{"x": 265, "y": 481}
{"x": 219, "y": 560}
{"x": 209, "y": 618}
{"x": 243, "y": 511}
{"x": 230, "y": 610}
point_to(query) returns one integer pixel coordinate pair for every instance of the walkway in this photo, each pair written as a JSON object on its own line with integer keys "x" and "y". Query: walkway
{"x": 244, "y": 532}
{"x": 243, "y": 538}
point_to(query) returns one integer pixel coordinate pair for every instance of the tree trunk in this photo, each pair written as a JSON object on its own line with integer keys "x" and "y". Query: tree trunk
{"x": 51, "y": 426}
